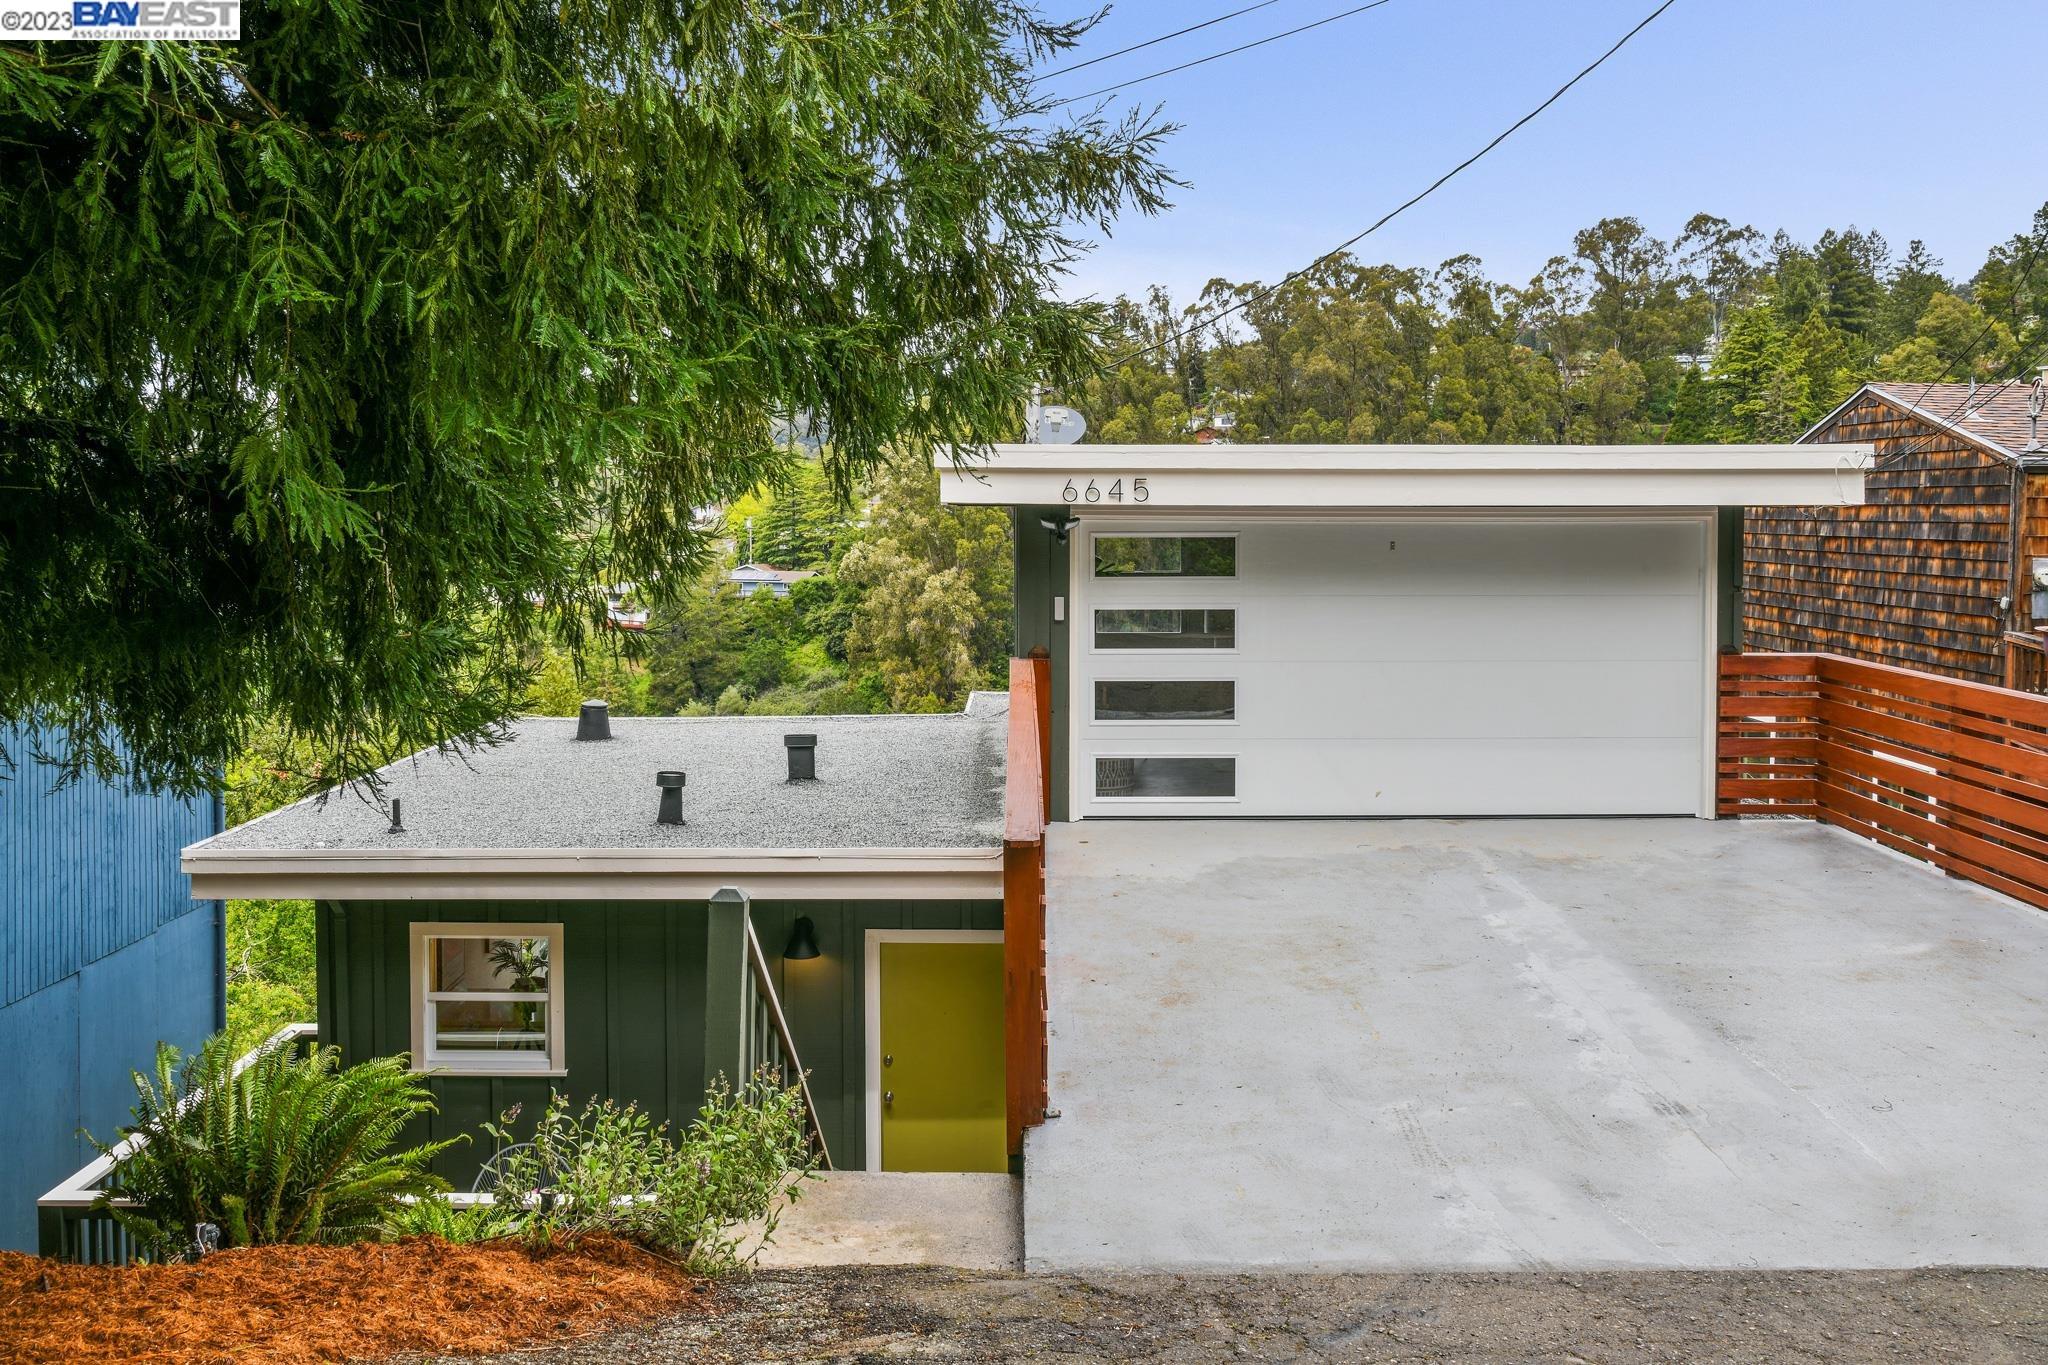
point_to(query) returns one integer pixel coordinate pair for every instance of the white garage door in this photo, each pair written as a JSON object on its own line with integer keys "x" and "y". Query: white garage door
{"x": 1502, "y": 666}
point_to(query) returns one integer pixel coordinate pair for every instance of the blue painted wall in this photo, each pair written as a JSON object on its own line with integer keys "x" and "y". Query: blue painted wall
{"x": 102, "y": 953}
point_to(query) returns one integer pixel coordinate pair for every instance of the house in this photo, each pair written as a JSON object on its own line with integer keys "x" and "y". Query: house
{"x": 752, "y": 578}
{"x": 623, "y": 610}
{"x": 629, "y": 907}
{"x": 1386, "y": 630}
{"x": 1222, "y": 632}
{"x": 103, "y": 954}
{"x": 1286, "y": 1042}
{"x": 1942, "y": 567}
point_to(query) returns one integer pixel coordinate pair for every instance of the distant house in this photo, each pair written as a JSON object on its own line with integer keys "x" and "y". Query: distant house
{"x": 1937, "y": 569}
{"x": 102, "y": 954}
{"x": 753, "y": 578}
{"x": 623, "y": 610}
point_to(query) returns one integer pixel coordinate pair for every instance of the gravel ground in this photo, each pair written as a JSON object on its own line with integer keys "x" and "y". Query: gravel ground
{"x": 929, "y": 1314}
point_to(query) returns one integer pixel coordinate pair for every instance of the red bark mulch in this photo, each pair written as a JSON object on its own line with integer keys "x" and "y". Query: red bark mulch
{"x": 359, "y": 1302}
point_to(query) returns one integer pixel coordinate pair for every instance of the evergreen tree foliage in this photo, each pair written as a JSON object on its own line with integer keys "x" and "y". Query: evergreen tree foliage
{"x": 343, "y": 365}
{"x": 933, "y": 619}
{"x": 1954, "y": 339}
{"x": 803, "y": 520}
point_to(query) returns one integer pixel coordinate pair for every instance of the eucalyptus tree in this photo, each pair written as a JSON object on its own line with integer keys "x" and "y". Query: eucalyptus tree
{"x": 342, "y": 366}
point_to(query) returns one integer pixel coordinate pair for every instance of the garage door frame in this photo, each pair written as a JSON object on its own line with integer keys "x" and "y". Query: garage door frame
{"x": 1080, "y": 677}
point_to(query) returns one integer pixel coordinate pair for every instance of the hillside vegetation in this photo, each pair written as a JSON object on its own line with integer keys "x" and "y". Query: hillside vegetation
{"x": 1720, "y": 334}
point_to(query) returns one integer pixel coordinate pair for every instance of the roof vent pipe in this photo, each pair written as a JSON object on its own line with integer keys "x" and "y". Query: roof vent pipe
{"x": 397, "y": 820}
{"x": 803, "y": 757}
{"x": 671, "y": 812}
{"x": 594, "y": 721}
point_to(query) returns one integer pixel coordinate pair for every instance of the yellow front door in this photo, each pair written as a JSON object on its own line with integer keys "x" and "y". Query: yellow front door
{"x": 942, "y": 1057}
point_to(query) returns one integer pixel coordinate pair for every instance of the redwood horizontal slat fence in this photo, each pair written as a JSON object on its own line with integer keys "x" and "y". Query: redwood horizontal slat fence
{"x": 1952, "y": 772}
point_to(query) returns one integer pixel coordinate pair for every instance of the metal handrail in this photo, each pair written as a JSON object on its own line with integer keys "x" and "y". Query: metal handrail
{"x": 764, "y": 986}
{"x": 83, "y": 1187}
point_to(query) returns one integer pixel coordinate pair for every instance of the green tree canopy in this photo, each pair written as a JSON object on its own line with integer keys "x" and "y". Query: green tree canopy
{"x": 341, "y": 365}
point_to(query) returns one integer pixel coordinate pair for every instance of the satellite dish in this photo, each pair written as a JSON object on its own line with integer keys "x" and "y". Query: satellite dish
{"x": 1058, "y": 426}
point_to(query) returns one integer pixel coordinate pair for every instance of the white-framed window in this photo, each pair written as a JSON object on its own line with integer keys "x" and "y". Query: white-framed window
{"x": 487, "y": 998}
{"x": 1163, "y": 554}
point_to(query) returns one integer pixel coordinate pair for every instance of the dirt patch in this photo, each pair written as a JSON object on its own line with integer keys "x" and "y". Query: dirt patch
{"x": 1614, "y": 1318}
{"x": 362, "y": 1302}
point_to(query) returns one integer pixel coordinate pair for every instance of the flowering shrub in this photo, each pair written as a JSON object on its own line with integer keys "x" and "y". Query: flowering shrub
{"x": 610, "y": 1168}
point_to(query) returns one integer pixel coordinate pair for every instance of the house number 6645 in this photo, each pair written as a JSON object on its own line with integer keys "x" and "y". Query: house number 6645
{"x": 1094, "y": 492}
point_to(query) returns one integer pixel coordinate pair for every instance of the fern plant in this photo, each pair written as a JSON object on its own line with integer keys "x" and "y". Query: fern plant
{"x": 295, "y": 1148}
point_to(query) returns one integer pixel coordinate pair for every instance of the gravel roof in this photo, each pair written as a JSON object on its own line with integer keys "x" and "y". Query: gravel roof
{"x": 883, "y": 782}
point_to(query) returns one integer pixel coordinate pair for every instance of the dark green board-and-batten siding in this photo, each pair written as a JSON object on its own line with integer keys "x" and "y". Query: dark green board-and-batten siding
{"x": 633, "y": 1003}
{"x": 1043, "y": 575}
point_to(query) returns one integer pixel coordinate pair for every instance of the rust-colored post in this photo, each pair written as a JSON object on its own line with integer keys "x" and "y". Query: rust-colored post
{"x": 1026, "y": 798}
{"x": 1041, "y": 679}
{"x": 1023, "y": 990}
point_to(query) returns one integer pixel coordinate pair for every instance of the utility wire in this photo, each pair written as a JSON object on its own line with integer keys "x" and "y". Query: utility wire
{"x": 1973, "y": 402}
{"x": 1398, "y": 210}
{"x": 1048, "y": 75}
{"x": 1215, "y": 56}
{"x": 1969, "y": 353}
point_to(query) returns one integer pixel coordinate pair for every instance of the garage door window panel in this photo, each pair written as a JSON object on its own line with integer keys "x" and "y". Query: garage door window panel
{"x": 1165, "y": 777}
{"x": 1138, "y": 629}
{"x": 1174, "y": 700}
{"x": 1165, "y": 556}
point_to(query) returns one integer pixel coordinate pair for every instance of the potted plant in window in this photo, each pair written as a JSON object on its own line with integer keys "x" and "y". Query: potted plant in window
{"x": 525, "y": 960}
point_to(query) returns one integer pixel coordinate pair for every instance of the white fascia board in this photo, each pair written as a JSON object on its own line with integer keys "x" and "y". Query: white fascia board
{"x": 594, "y": 873}
{"x": 1336, "y": 478}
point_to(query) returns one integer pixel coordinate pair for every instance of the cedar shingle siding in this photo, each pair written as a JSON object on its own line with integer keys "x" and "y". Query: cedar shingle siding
{"x": 1912, "y": 577}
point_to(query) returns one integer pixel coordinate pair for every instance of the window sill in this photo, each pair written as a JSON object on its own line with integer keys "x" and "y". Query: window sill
{"x": 492, "y": 1074}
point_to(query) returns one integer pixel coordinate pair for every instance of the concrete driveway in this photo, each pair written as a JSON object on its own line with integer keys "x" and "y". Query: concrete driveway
{"x": 1573, "y": 1043}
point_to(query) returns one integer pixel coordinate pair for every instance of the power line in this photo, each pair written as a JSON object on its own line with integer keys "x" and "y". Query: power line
{"x": 1974, "y": 401}
{"x": 1399, "y": 209}
{"x": 1215, "y": 56}
{"x": 1149, "y": 42}
{"x": 1969, "y": 353}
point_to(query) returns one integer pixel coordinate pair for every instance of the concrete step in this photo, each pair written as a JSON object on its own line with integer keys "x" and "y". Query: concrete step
{"x": 969, "y": 1221}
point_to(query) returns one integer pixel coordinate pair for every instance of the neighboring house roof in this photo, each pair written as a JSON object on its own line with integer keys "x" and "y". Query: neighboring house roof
{"x": 766, "y": 573}
{"x": 897, "y": 798}
{"x": 1111, "y": 479}
{"x": 1992, "y": 417}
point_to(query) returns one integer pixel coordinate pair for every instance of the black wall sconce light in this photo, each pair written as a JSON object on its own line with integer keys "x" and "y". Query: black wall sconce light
{"x": 1059, "y": 526}
{"x": 803, "y": 941}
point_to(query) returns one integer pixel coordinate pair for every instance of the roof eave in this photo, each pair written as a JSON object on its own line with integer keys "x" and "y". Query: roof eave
{"x": 593, "y": 873}
{"x": 1184, "y": 478}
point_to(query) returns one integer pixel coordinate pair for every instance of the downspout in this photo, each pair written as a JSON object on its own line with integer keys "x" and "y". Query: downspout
{"x": 220, "y": 930}
{"x": 2018, "y": 582}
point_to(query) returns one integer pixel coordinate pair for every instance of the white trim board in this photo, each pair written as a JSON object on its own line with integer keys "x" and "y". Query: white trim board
{"x": 871, "y": 1013}
{"x": 1179, "y": 478}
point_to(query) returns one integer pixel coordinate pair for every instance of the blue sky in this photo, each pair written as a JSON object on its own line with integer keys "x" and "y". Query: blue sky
{"x": 1915, "y": 118}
